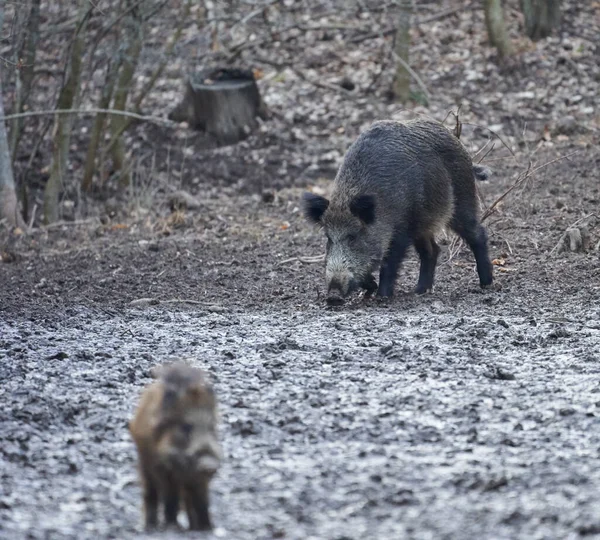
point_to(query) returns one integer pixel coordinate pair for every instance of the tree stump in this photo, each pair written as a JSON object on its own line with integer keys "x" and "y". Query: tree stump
{"x": 223, "y": 102}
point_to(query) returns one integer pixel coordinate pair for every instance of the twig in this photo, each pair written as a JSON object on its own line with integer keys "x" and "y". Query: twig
{"x": 188, "y": 301}
{"x": 303, "y": 260}
{"x": 520, "y": 180}
{"x": 486, "y": 154}
{"x": 32, "y": 216}
{"x": 494, "y": 133}
{"x": 412, "y": 73}
{"x": 390, "y": 31}
{"x": 57, "y": 224}
{"x": 481, "y": 149}
{"x": 92, "y": 111}
{"x": 319, "y": 84}
{"x": 454, "y": 248}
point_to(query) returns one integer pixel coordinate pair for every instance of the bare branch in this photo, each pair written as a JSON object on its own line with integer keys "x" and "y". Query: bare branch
{"x": 522, "y": 178}
{"x": 92, "y": 111}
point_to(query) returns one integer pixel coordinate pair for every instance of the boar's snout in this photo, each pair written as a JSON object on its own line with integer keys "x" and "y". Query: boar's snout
{"x": 342, "y": 286}
{"x": 338, "y": 288}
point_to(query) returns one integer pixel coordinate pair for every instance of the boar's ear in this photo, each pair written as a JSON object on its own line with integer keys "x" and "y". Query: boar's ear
{"x": 314, "y": 207}
{"x": 363, "y": 207}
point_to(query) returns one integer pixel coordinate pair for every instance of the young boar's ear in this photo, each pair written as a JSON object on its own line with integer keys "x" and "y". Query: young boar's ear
{"x": 314, "y": 207}
{"x": 363, "y": 207}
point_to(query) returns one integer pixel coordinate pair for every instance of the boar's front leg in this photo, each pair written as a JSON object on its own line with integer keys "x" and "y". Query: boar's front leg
{"x": 369, "y": 285}
{"x": 391, "y": 262}
{"x": 171, "y": 500}
{"x": 428, "y": 251}
{"x": 151, "y": 496}
{"x": 196, "y": 502}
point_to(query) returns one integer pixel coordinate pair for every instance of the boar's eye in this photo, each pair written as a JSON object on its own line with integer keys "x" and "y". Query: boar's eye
{"x": 352, "y": 237}
{"x": 186, "y": 429}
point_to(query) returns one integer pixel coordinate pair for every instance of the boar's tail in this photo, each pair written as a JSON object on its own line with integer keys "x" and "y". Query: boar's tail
{"x": 481, "y": 173}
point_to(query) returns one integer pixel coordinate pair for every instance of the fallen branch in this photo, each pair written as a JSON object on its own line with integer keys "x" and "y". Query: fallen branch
{"x": 303, "y": 260}
{"x": 209, "y": 306}
{"x": 61, "y": 223}
{"x": 298, "y": 73}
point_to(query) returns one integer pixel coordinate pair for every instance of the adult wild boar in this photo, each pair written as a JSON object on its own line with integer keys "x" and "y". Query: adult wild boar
{"x": 399, "y": 184}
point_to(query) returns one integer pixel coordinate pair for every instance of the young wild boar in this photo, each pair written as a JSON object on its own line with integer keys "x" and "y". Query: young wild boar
{"x": 398, "y": 185}
{"x": 174, "y": 429}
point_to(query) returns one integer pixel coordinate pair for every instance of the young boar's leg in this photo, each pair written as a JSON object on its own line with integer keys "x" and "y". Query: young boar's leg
{"x": 474, "y": 234}
{"x": 196, "y": 501}
{"x": 428, "y": 252}
{"x": 171, "y": 501}
{"x": 150, "y": 500}
{"x": 201, "y": 506}
{"x": 391, "y": 263}
{"x": 189, "y": 507}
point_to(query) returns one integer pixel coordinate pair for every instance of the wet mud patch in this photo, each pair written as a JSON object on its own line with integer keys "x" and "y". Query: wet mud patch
{"x": 433, "y": 420}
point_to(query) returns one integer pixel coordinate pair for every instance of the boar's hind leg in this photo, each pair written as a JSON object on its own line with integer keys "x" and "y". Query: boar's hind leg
{"x": 428, "y": 252}
{"x": 474, "y": 234}
{"x": 391, "y": 263}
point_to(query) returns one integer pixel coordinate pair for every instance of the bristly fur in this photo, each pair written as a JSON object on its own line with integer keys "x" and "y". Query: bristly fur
{"x": 363, "y": 207}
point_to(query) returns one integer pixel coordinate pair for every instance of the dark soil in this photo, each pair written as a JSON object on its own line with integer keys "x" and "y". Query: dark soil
{"x": 459, "y": 414}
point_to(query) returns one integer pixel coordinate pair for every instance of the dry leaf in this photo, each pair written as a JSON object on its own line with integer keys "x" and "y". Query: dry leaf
{"x": 499, "y": 262}
{"x": 546, "y": 136}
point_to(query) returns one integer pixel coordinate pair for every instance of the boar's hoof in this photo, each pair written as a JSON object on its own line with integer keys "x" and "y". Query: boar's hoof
{"x": 419, "y": 289}
{"x": 369, "y": 285}
{"x": 335, "y": 300}
{"x": 493, "y": 286}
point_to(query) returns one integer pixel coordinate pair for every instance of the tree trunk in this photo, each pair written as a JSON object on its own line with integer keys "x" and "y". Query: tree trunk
{"x": 9, "y": 207}
{"x": 135, "y": 31}
{"x": 541, "y": 17}
{"x": 401, "y": 49}
{"x": 137, "y": 104}
{"x": 494, "y": 20}
{"x": 223, "y": 102}
{"x": 64, "y": 122}
{"x": 27, "y": 53}
{"x": 98, "y": 127}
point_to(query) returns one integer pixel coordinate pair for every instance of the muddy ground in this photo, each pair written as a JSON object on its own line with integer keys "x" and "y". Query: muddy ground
{"x": 460, "y": 414}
